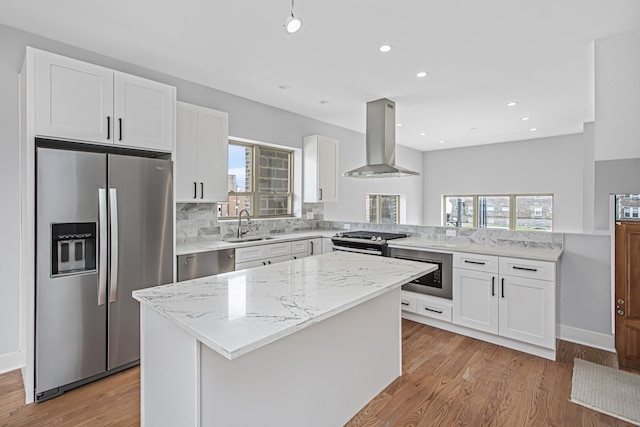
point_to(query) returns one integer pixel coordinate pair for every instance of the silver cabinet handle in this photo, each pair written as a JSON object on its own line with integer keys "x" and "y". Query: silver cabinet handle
{"x": 102, "y": 248}
{"x": 113, "y": 211}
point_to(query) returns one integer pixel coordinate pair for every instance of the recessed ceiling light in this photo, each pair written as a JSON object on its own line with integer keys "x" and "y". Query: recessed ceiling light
{"x": 423, "y": 133}
{"x": 283, "y": 87}
{"x": 441, "y": 142}
{"x": 398, "y": 124}
{"x": 473, "y": 128}
{"x": 526, "y": 118}
{"x": 385, "y": 48}
{"x": 533, "y": 129}
{"x": 422, "y": 74}
{"x": 512, "y": 104}
{"x": 324, "y": 101}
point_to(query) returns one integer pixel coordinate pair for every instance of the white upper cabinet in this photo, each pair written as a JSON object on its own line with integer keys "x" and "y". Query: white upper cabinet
{"x": 75, "y": 100}
{"x": 320, "y": 169}
{"x": 202, "y": 138}
{"x": 143, "y": 112}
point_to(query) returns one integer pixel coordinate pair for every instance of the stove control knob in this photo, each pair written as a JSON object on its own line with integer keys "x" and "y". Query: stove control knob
{"x": 379, "y": 239}
{"x": 338, "y": 234}
{"x": 373, "y": 238}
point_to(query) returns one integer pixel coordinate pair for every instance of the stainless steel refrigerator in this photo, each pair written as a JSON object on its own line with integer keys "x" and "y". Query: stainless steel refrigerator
{"x": 104, "y": 227}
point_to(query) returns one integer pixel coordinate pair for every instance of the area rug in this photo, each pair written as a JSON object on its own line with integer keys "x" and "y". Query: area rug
{"x": 606, "y": 390}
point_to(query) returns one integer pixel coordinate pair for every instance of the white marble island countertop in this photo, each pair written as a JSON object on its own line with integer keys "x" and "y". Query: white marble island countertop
{"x": 235, "y": 313}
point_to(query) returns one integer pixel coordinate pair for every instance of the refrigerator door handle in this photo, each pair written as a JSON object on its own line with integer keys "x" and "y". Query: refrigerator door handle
{"x": 102, "y": 250}
{"x": 113, "y": 211}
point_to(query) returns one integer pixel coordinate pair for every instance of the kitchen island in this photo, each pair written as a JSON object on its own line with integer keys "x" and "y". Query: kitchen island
{"x": 305, "y": 342}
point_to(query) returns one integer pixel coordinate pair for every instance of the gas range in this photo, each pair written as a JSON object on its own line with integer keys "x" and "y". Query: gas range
{"x": 368, "y": 242}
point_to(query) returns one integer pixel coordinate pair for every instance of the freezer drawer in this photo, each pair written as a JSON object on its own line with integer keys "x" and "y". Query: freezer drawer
{"x": 192, "y": 266}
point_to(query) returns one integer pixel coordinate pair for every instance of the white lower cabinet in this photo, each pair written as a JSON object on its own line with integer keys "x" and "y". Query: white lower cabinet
{"x": 314, "y": 246}
{"x": 527, "y": 310}
{"x": 259, "y": 255}
{"x": 475, "y": 302}
{"x": 513, "y": 305}
{"x": 425, "y": 305}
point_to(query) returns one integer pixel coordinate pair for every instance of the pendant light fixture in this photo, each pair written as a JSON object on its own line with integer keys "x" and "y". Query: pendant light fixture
{"x": 293, "y": 24}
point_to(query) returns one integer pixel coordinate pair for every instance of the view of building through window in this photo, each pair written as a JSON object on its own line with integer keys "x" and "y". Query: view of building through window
{"x": 382, "y": 208}
{"x": 506, "y": 211}
{"x": 259, "y": 180}
{"x": 628, "y": 207}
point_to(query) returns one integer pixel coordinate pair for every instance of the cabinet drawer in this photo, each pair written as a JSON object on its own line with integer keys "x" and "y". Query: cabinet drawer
{"x": 278, "y": 249}
{"x": 251, "y": 253}
{"x": 299, "y": 247}
{"x": 476, "y": 262}
{"x": 542, "y": 270}
{"x": 433, "y": 309}
{"x": 407, "y": 302}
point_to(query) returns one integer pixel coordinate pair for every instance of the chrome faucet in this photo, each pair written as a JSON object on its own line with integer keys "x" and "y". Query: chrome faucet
{"x": 240, "y": 232}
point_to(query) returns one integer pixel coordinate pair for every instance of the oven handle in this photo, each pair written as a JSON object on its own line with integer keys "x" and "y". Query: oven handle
{"x": 360, "y": 251}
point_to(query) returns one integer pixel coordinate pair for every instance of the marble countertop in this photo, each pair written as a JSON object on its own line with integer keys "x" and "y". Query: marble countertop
{"x": 514, "y": 251}
{"x": 192, "y": 248}
{"x": 235, "y": 313}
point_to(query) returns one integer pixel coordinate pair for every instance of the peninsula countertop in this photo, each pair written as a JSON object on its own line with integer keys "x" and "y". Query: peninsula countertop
{"x": 237, "y": 312}
{"x": 514, "y": 250}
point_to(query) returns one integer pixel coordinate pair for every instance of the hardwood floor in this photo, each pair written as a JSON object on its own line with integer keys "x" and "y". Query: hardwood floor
{"x": 448, "y": 380}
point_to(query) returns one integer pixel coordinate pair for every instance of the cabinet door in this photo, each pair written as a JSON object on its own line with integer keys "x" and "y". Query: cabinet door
{"x": 212, "y": 157}
{"x": 320, "y": 155}
{"x": 299, "y": 249}
{"x": 527, "y": 310}
{"x": 73, "y": 99}
{"x": 186, "y": 152}
{"x": 475, "y": 299}
{"x": 143, "y": 111}
{"x": 314, "y": 246}
{"x": 327, "y": 169}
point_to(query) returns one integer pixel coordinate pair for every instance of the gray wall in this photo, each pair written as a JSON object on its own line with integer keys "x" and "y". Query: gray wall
{"x": 585, "y": 283}
{"x": 545, "y": 165}
{"x": 248, "y": 119}
{"x": 613, "y": 177}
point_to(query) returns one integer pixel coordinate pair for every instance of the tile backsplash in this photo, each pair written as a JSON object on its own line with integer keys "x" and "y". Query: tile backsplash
{"x": 198, "y": 222}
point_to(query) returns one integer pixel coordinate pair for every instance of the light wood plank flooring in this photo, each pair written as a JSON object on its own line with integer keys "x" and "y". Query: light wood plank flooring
{"x": 448, "y": 380}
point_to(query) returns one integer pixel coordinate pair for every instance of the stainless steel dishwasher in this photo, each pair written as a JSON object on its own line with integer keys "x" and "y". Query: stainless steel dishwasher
{"x": 201, "y": 264}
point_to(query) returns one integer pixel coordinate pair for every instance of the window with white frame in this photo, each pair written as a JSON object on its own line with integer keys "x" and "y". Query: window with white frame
{"x": 382, "y": 208}
{"x": 506, "y": 211}
{"x": 260, "y": 179}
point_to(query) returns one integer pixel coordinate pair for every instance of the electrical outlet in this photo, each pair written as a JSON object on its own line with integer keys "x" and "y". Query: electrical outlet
{"x": 347, "y": 226}
{"x": 309, "y": 215}
{"x": 450, "y": 233}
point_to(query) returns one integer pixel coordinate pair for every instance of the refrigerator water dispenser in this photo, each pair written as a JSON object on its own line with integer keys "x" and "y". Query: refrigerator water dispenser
{"x": 73, "y": 248}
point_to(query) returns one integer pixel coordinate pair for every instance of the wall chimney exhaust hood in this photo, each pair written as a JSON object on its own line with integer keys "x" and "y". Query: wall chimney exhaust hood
{"x": 381, "y": 143}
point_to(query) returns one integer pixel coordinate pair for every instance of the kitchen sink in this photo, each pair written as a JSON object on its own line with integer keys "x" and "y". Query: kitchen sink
{"x": 247, "y": 239}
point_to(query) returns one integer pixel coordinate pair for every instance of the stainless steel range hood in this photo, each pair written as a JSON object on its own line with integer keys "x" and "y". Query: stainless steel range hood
{"x": 381, "y": 143}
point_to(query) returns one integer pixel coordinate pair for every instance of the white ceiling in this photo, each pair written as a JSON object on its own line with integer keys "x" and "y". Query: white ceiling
{"x": 480, "y": 54}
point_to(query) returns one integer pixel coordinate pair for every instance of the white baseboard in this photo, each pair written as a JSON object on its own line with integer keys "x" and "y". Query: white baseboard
{"x": 592, "y": 339}
{"x": 10, "y": 362}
